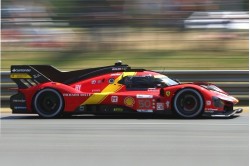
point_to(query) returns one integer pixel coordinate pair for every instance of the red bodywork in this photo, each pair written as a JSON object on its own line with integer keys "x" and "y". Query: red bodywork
{"x": 107, "y": 90}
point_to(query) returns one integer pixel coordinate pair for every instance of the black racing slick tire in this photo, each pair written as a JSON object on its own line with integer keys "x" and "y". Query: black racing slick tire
{"x": 48, "y": 103}
{"x": 188, "y": 103}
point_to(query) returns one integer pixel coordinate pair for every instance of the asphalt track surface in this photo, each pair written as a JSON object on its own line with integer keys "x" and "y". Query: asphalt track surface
{"x": 26, "y": 140}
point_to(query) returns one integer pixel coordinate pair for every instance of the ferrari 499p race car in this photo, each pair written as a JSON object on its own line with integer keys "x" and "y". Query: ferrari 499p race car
{"x": 44, "y": 90}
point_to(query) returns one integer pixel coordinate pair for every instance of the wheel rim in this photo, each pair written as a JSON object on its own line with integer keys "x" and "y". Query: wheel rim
{"x": 48, "y": 103}
{"x": 188, "y": 103}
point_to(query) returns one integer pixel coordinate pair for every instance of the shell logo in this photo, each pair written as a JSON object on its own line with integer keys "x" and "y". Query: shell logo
{"x": 129, "y": 101}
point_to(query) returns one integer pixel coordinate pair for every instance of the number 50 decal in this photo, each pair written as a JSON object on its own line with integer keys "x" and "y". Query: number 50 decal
{"x": 144, "y": 103}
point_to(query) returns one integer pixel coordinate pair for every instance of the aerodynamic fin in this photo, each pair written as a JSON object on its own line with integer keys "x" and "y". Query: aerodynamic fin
{"x": 26, "y": 76}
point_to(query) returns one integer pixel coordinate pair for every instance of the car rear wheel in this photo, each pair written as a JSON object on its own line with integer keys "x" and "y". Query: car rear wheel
{"x": 48, "y": 103}
{"x": 188, "y": 103}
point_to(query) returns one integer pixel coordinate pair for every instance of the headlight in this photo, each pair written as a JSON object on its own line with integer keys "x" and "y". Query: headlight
{"x": 217, "y": 102}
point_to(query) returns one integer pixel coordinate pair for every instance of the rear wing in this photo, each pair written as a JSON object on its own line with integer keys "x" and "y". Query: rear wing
{"x": 26, "y": 76}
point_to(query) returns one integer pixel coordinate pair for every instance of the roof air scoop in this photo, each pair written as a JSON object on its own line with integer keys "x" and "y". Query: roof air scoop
{"x": 118, "y": 63}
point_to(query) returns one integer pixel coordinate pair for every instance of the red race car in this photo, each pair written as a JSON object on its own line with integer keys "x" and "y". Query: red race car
{"x": 44, "y": 90}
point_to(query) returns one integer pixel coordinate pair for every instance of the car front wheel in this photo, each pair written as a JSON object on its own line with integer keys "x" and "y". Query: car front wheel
{"x": 188, "y": 103}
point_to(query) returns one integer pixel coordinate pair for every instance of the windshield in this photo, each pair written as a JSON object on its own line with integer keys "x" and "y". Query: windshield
{"x": 165, "y": 80}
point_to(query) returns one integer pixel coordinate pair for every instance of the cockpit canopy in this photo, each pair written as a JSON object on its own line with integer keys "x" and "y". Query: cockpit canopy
{"x": 147, "y": 81}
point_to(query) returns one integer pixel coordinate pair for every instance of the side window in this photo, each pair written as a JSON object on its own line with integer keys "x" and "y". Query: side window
{"x": 138, "y": 82}
{"x": 125, "y": 80}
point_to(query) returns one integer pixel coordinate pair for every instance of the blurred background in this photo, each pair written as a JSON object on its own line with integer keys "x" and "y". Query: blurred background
{"x": 159, "y": 34}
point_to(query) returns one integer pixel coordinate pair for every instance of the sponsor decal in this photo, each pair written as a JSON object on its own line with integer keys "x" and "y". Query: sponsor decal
{"x": 20, "y": 108}
{"x": 37, "y": 75}
{"x": 208, "y": 102}
{"x": 152, "y": 89}
{"x": 18, "y": 101}
{"x": 144, "y": 110}
{"x": 20, "y": 75}
{"x": 13, "y": 70}
{"x": 167, "y": 104}
{"x": 78, "y": 87}
{"x": 115, "y": 74}
{"x": 118, "y": 68}
{"x": 114, "y": 99}
{"x": 111, "y": 80}
{"x": 160, "y": 106}
{"x": 118, "y": 109}
{"x": 168, "y": 93}
{"x": 129, "y": 101}
{"x": 81, "y": 108}
{"x": 212, "y": 109}
{"x": 96, "y": 90}
{"x": 209, "y": 111}
{"x": 21, "y": 70}
{"x": 144, "y": 96}
{"x": 93, "y": 82}
{"x": 77, "y": 94}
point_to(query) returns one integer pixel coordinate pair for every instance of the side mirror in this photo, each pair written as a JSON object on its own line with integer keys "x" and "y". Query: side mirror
{"x": 162, "y": 92}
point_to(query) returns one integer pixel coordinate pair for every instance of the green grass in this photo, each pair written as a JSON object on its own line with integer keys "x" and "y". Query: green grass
{"x": 172, "y": 60}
